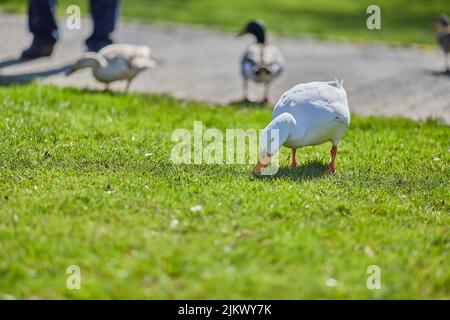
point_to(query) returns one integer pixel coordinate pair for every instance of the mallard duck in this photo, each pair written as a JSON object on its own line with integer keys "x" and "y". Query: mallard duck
{"x": 261, "y": 62}
{"x": 306, "y": 115}
{"x": 443, "y": 37}
{"x": 116, "y": 62}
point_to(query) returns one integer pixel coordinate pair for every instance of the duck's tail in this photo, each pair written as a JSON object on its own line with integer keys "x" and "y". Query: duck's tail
{"x": 337, "y": 83}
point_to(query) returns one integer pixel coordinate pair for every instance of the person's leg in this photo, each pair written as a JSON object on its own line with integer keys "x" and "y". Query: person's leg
{"x": 42, "y": 25}
{"x": 104, "y": 15}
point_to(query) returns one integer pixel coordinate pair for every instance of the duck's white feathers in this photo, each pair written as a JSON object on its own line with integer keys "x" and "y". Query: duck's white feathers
{"x": 138, "y": 57}
{"x": 320, "y": 110}
{"x": 121, "y": 62}
{"x": 127, "y": 51}
{"x": 262, "y": 63}
{"x": 116, "y": 69}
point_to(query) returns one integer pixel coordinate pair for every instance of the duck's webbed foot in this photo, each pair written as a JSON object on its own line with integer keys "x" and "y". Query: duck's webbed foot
{"x": 329, "y": 170}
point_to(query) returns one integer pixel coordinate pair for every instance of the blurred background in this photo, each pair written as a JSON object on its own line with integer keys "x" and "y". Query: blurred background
{"x": 403, "y": 21}
{"x": 397, "y": 70}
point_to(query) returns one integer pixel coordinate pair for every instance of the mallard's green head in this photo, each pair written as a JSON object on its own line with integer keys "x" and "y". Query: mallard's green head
{"x": 256, "y": 28}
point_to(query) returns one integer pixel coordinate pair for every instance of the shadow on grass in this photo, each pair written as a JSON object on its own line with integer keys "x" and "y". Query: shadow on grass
{"x": 309, "y": 171}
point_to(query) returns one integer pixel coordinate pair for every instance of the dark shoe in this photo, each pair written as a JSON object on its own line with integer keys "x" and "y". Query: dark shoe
{"x": 37, "y": 50}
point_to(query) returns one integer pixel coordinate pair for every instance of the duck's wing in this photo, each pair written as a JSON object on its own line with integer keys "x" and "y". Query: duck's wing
{"x": 250, "y": 61}
{"x": 116, "y": 68}
{"x": 273, "y": 59}
{"x": 126, "y": 51}
{"x": 262, "y": 58}
{"x": 320, "y": 110}
{"x": 119, "y": 64}
{"x": 312, "y": 97}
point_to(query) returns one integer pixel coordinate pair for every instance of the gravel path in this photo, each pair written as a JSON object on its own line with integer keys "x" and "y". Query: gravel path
{"x": 203, "y": 65}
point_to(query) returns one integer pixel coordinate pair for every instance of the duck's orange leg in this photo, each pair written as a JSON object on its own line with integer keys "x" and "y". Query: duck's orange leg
{"x": 333, "y": 158}
{"x": 245, "y": 96}
{"x": 293, "y": 161}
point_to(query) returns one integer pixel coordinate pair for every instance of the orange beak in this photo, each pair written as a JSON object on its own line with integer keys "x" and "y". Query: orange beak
{"x": 261, "y": 165}
{"x": 259, "y": 168}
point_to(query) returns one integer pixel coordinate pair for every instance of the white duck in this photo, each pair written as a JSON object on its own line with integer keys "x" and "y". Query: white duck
{"x": 116, "y": 62}
{"x": 306, "y": 115}
{"x": 261, "y": 62}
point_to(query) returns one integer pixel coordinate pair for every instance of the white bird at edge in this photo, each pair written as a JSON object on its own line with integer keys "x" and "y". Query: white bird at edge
{"x": 306, "y": 115}
{"x": 116, "y": 62}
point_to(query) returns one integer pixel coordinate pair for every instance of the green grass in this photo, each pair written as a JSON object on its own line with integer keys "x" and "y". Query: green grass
{"x": 403, "y": 21}
{"x": 76, "y": 189}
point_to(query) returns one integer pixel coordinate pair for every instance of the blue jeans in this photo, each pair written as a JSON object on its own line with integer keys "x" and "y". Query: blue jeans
{"x": 42, "y": 24}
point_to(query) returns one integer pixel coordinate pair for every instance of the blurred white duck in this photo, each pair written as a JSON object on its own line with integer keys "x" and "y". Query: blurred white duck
{"x": 306, "y": 115}
{"x": 116, "y": 62}
{"x": 261, "y": 62}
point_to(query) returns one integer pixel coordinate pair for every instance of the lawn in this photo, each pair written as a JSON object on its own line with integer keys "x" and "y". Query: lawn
{"x": 403, "y": 21}
{"x": 86, "y": 180}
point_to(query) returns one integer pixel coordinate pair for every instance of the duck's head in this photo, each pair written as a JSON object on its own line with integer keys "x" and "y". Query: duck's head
{"x": 272, "y": 138}
{"x": 90, "y": 60}
{"x": 442, "y": 24}
{"x": 256, "y": 28}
